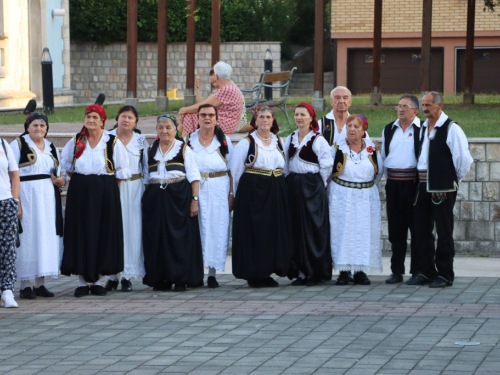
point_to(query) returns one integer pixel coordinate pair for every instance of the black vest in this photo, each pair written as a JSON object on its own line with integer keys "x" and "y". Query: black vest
{"x": 108, "y": 153}
{"x": 340, "y": 159}
{"x": 253, "y": 151}
{"x": 306, "y": 153}
{"x": 389, "y": 131}
{"x": 441, "y": 173}
{"x": 174, "y": 164}
{"x": 328, "y": 129}
{"x": 28, "y": 155}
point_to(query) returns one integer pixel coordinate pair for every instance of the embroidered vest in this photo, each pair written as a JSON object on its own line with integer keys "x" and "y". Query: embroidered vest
{"x": 174, "y": 164}
{"x": 339, "y": 161}
{"x": 108, "y": 153}
{"x": 253, "y": 151}
{"x": 29, "y": 156}
{"x": 389, "y": 131}
{"x": 306, "y": 153}
{"x": 328, "y": 129}
{"x": 441, "y": 173}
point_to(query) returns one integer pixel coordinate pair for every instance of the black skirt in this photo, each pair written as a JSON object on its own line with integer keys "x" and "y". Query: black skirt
{"x": 261, "y": 228}
{"x": 93, "y": 230}
{"x": 170, "y": 236}
{"x": 310, "y": 226}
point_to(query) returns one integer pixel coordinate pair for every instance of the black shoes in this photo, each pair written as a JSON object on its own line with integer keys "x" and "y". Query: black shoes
{"x": 269, "y": 282}
{"x": 27, "y": 293}
{"x": 126, "y": 285}
{"x": 43, "y": 292}
{"x": 417, "y": 280}
{"x": 255, "y": 283}
{"x": 312, "y": 281}
{"x": 162, "y": 286}
{"x": 360, "y": 278}
{"x": 111, "y": 285}
{"x": 212, "y": 282}
{"x": 343, "y": 278}
{"x": 394, "y": 279}
{"x": 82, "y": 291}
{"x": 440, "y": 282}
{"x": 180, "y": 288}
{"x": 98, "y": 290}
{"x": 299, "y": 281}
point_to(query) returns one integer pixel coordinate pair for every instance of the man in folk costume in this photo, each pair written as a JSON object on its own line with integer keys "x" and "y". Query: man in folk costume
{"x": 443, "y": 161}
{"x": 400, "y": 148}
{"x": 332, "y": 126}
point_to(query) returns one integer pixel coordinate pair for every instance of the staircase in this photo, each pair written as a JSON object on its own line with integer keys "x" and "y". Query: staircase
{"x": 303, "y": 84}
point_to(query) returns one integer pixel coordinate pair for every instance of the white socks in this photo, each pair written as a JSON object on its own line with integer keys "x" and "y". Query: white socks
{"x": 211, "y": 271}
{"x": 301, "y": 275}
{"x": 112, "y": 277}
{"x": 39, "y": 281}
{"x": 81, "y": 280}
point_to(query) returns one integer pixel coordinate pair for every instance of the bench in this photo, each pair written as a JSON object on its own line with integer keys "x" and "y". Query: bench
{"x": 257, "y": 98}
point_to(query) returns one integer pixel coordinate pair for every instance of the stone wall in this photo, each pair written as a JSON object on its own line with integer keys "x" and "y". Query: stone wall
{"x": 96, "y": 68}
{"x": 477, "y": 210}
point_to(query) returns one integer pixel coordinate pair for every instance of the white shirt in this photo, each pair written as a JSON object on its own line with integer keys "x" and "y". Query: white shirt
{"x": 133, "y": 148}
{"x": 268, "y": 157}
{"x": 192, "y": 172}
{"x": 204, "y": 155}
{"x": 363, "y": 171}
{"x": 320, "y": 147}
{"x": 338, "y": 137}
{"x": 456, "y": 141}
{"x": 402, "y": 147}
{"x": 92, "y": 161}
{"x": 44, "y": 162}
{"x": 8, "y": 164}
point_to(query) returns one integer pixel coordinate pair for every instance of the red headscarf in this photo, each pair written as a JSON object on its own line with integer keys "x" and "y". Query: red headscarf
{"x": 274, "y": 127}
{"x": 81, "y": 142}
{"x": 310, "y": 109}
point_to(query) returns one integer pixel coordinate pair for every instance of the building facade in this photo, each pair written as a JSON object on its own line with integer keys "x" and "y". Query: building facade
{"x": 352, "y": 32}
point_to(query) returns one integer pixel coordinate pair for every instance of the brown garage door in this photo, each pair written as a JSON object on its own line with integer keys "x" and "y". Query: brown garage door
{"x": 400, "y": 70}
{"x": 486, "y": 71}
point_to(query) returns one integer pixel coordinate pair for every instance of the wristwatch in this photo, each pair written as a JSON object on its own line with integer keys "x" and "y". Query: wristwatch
{"x": 195, "y": 198}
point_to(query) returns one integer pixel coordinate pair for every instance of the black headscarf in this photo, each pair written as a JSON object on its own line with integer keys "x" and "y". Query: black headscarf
{"x": 35, "y": 116}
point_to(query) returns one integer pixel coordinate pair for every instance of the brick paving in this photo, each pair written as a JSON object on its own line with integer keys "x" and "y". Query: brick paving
{"x": 326, "y": 329}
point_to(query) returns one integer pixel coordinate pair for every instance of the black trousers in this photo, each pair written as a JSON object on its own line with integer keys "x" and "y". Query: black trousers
{"x": 430, "y": 209}
{"x": 399, "y": 195}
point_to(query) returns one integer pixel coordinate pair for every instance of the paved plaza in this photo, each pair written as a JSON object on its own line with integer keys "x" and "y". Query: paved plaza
{"x": 326, "y": 329}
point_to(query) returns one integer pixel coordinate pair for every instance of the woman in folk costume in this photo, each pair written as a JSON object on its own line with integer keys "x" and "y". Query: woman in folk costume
{"x": 96, "y": 162}
{"x": 355, "y": 204}
{"x": 309, "y": 164}
{"x": 170, "y": 229}
{"x": 131, "y": 191}
{"x": 261, "y": 221}
{"x": 212, "y": 152}
{"x": 39, "y": 255}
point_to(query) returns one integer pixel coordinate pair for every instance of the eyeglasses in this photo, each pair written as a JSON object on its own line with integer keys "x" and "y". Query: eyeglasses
{"x": 404, "y": 107}
{"x": 211, "y": 115}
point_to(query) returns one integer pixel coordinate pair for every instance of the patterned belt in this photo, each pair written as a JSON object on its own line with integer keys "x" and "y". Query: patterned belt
{"x": 134, "y": 177}
{"x": 265, "y": 172}
{"x": 167, "y": 181}
{"x": 402, "y": 174}
{"x": 422, "y": 176}
{"x": 213, "y": 174}
{"x": 354, "y": 185}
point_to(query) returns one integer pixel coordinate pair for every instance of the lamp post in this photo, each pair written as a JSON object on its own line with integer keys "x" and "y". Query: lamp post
{"x": 268, "y": 66}
{"x": 47, "y": 82}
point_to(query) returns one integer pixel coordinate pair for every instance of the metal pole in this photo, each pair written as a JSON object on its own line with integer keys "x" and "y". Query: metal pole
{"x": 189, "y": 97}
{"x": 425, "y": 64}
{"x": 469, "y": 53}
{"x": 161, "y": 98}
{"x": 215, "y": 31}
{"x": 376, "y": 97}
{"x": 131, "y": 48}
{"x": 268, "y": 66}
{"x": 318, "y": 101}
{"x": 47, "y": 82}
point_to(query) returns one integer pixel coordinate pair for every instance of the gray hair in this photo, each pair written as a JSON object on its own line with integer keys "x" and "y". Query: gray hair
{"x": 340, "y": 88}
{"x": 413, "y": 100}
{"x": 223, "y": 70}
{"x": 437, "y": 97}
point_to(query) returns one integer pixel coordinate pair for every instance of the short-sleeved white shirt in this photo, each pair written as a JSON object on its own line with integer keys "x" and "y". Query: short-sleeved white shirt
{"x": 7, "y": 164}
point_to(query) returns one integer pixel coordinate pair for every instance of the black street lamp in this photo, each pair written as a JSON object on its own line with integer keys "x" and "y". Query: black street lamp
{"x": 47, "y": 82}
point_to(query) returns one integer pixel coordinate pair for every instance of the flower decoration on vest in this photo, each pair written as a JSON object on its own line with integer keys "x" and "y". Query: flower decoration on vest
{"x": 225, "y": 142}
{"x": 369, "y": 149}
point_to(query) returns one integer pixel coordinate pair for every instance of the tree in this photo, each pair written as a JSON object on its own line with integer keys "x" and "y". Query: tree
{"x": 491, "y": 4}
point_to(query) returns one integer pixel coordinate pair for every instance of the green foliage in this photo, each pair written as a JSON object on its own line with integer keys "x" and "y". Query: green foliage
{"x": 105, "y": 22}
{"x": 491, "y": 4}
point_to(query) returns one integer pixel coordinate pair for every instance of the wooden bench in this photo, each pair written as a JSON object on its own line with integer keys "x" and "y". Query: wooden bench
{"x": 257, "y": 92}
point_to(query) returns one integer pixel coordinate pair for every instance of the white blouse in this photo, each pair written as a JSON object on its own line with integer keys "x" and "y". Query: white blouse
{"x": 192, "y": 171}
{"x": 364, "y": 171}
{"x": 268, "y": 157}
{"x": 133, "y": 148}
{"x": 320, "y": 147}
{"x": 92, "y": 160}
{"x": 8, "y": 164}
{"x": 44, "y": 162}
{"x": 208, "y": 158}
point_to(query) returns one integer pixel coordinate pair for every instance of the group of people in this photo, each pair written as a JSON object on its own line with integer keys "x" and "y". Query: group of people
{"x": 302, "y": 206}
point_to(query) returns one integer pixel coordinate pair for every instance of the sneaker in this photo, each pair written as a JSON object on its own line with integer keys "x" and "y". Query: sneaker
{"x": 126, "y": 285}
{"x": 27, "y": 293}
{"x": 8, "y": 300}
{"x": 212, "y": 282}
